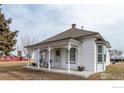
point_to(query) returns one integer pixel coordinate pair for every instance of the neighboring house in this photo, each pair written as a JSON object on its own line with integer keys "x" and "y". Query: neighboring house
{"x": 72, "y": 48}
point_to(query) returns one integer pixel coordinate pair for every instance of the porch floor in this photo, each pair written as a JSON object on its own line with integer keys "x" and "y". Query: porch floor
{"x": 63, "y": 71}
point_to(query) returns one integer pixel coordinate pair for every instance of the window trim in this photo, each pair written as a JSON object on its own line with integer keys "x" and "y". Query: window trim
{"x": 103, "y": 53}
{"x": 75, "y": 54}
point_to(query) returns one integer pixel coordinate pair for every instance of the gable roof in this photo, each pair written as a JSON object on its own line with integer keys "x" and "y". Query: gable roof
{"x": 70, "y": 33}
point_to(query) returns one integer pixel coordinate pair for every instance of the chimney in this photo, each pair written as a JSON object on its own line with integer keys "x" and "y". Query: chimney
{"x": 73, "y": 25}
{"x": 82, "y": 27}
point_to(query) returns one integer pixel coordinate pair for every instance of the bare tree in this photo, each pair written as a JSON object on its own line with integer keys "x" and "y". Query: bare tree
{"x": 114, "y": 54}
{"x": 27, "y": 40}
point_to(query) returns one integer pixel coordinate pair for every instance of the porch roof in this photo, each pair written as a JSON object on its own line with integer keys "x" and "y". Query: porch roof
{"x": 55, "y": 44}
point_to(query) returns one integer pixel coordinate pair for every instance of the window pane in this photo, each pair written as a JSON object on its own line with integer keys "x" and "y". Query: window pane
{"x": 57, "y": 52}
{"x": 99, "y": 49}
{"x": 99, "y": 57}
{"x": 104, "y": 57}
{"x": 73, "y": 54}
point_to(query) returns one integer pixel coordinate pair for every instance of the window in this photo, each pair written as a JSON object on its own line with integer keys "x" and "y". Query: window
{"x": 104, "y": 57}
{"x": 101, "y": 51}
{"x": 57, "y": 52}
{"x": 73, "y": 54}
{"x": 105, "y": 52}
{"x": 99, "y": 57}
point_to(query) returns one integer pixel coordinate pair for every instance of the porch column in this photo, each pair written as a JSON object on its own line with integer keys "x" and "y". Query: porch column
{"x": 27, "y": 54}
{"x": 68, "y": 57}
{"x": 49, "y": 51}
{"x": 78, "y": 56}
{"x": 28, "y": 59}
{"x": 38, "y": 58}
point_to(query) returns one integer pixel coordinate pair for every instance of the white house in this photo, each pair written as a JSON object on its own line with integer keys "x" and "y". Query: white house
{"x": 72, "y": 48}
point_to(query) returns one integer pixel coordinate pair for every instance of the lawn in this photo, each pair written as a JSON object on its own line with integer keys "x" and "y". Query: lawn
{"x": 15, "y": 71}
{"x": 115, "y": 72}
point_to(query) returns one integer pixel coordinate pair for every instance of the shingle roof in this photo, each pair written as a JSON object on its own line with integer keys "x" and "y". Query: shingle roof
{"x": 72, "y": 32}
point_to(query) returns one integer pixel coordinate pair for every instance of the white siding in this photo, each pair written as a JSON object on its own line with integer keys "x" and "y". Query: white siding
{"x": 107, "y": 58}
{"x": 100, "y": 67}
{"x": 36, "y": 56}
{"x": 64, "y": 60}
{"x": 88, "y": 54}
{"x": 87, "y": 57}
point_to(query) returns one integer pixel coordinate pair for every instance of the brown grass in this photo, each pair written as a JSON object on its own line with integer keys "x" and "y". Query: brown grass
{"x": 95, "y": 76}
{"x": 116, "y": 69}
{"x": 14, "y": 71}
{"x": 11, "y": 64}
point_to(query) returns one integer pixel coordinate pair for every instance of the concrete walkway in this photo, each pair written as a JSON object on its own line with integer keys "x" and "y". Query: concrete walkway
{"x": 63, "y": 71}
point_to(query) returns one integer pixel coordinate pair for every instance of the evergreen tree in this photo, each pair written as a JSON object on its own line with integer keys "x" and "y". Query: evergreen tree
{"x": 7, "y": 37}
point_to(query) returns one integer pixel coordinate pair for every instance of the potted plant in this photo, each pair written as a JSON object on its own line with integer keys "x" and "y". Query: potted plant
{"x": 80, "y": 68}
{"x": 34, "y": 64}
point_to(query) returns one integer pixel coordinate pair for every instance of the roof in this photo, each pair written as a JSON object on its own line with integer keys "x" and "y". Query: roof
{"x": 70, "y": 33}
{"x": 73, "y": 32}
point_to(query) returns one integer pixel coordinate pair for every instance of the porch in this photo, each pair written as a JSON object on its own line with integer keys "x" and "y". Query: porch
{"x": 62, "y": 54}
{"x": 83, "y": 74}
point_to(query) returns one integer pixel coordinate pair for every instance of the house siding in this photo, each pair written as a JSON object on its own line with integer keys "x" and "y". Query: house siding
{"x": 107, "y": 58}
{"x": 65, "y": 60}
{"x": 36, "y": 56}
{"x": 88, "y": 54}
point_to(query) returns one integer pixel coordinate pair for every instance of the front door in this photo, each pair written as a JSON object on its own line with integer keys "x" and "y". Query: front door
{"x": 57, "y": 58}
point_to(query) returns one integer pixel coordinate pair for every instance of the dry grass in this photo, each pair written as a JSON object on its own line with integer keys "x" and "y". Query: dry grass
{"x": 14, "y": 71}
{"x": 115, "y": 69}
{"x": 96, "y": 76}
{"x": 118, "y": 67}
{"x": 11, "y": 64}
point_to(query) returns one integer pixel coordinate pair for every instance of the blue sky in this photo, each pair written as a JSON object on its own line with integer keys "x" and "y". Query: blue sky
{"x": 42, "y": 21}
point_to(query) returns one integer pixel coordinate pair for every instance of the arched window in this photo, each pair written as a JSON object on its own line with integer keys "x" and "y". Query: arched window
{"x": 73, "y": 54}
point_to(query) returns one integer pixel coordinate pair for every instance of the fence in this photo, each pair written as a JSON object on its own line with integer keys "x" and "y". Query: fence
{"x": 12, "y": 59}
